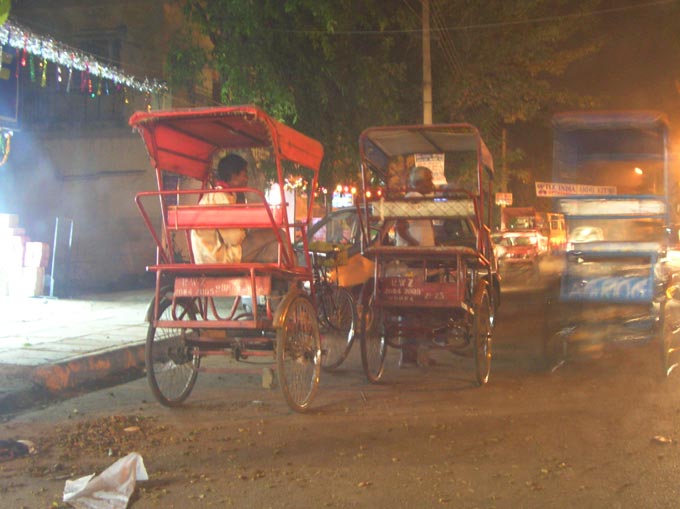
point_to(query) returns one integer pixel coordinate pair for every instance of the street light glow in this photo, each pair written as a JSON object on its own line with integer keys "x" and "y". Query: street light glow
{"x": 638, "y": 171}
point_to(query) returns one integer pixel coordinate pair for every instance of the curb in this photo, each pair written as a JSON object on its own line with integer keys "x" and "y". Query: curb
{"x": 43, "y": 383}
{"x": 72, "y": 374}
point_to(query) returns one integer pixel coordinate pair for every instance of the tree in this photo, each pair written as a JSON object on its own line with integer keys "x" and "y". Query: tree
{"x": 5, "y": 6}
{"x": 501, "y": 67}
{"x": 185, "y": 62}
{"x": 330, "y": 68}
{"x": 334, "y": 67}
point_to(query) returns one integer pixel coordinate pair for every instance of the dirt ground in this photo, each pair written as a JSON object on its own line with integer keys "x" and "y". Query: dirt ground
{"x": 595, "y": 433}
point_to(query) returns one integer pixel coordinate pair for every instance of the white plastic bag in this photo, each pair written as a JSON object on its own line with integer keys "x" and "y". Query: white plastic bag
{"x": 109, "y": 490}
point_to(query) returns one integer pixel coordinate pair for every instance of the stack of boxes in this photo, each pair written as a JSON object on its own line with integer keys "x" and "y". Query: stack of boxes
{"x": 22, "y": 262}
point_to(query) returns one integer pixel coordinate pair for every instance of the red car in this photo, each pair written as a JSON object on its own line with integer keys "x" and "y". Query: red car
{"x": 516, "y": 249}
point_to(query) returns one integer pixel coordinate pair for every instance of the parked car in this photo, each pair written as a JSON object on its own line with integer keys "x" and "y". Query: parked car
{"x": 516, "y": 249}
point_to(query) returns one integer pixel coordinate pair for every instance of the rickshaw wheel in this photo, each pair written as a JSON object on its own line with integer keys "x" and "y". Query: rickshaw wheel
{"x": 298, "y": 353}
{"x": 373, "y": 341}
{"x": 665, "y": 328}
{"x": 171, "y": 369}
{"x": 481, "y": 333}
{"x": 338, "y": 321}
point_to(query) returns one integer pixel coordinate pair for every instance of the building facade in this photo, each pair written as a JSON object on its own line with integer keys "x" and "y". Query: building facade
{"x": 73, "y": 157}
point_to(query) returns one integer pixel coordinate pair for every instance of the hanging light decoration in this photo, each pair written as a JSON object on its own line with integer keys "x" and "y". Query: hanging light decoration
{"x": 29, "y": 44}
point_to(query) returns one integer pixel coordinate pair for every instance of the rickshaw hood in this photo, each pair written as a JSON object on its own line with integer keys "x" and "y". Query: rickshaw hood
{"x": 378, "y": 144}
{"x": 183, "y": 141}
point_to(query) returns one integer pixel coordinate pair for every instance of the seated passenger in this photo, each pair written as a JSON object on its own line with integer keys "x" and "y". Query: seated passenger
{"x": 232, "y": 245}
{"x": 417, "y": 232}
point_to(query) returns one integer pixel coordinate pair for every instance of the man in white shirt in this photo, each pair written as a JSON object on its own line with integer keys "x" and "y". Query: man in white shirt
{"x": 232, "y": 245}
{"x": 417, "y": 232}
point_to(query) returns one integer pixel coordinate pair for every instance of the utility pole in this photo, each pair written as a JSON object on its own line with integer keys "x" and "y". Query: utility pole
{"x": 427, "y": 65}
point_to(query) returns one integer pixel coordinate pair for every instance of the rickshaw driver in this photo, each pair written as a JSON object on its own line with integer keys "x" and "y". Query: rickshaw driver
{"x": 417, "y": 232}
{"x": 232, "y": 245}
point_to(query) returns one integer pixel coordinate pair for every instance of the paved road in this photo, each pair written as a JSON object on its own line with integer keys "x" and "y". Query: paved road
{"x": 595, "y": 433}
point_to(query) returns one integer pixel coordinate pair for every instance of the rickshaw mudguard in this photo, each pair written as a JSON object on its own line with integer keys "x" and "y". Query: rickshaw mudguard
{"x": 480, "y": 287}
{"x": 277, "y": 320}
{"x": 165, "y": 290}
{"x": 150, "y": 308}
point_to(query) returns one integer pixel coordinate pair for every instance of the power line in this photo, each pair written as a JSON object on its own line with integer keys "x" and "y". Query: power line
{"x": 561, "y": 16}
{"x": 446, "y": 42}
{"x": 479, "y": 26}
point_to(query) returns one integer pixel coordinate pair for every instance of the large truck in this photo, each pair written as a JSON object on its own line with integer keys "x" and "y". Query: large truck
{"x": 612, "y": 171}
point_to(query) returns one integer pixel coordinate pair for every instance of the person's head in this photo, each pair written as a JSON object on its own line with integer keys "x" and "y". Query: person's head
{"x": 420, "y": 179}
{"x": 233, "y": 171}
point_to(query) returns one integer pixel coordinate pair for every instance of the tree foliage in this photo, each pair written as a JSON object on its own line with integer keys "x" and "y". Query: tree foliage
{"x": 501, "y": 64}
{"x": 510, "y": 55}
{"x": 5, "y": 6}
{"x": 185, "y": 62}
{"x": 332, "y": 68}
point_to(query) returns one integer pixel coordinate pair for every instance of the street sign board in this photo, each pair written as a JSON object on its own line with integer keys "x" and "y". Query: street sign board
{"x": 549, "y": 189}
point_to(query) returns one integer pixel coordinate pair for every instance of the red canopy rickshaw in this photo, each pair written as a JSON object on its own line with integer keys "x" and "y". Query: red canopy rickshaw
{"x": 197, "y": 310}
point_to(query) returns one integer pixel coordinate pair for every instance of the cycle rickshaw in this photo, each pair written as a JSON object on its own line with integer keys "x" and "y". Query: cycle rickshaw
{"x": 444, "y": 296}
{"x": 197, "y": 309}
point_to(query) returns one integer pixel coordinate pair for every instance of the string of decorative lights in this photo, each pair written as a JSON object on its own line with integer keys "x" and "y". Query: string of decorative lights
{"x": 47, "y": 49}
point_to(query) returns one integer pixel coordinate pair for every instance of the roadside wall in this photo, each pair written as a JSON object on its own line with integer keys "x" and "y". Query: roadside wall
{"x": 91, "y": 179}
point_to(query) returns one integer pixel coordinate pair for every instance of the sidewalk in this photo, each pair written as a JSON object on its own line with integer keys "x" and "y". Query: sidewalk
{"x": 48, "y": 345}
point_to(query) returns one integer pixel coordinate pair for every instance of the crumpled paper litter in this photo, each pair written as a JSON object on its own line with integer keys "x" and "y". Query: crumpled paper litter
{"x": 109, "y": 490}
